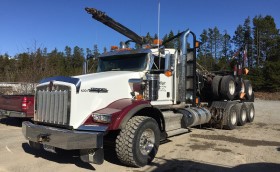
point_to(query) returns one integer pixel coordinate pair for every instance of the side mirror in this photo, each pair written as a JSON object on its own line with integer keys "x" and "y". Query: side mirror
{"x": 168, "y": 68}
{"x": 167, "y": 62}
{"x": 86, "y": 60}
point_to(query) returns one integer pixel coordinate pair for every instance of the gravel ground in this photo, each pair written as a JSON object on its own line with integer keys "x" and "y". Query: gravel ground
{"x": 253, "y": 147}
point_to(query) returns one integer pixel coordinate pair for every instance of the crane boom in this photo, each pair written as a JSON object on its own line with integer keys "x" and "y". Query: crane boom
{"x": 108, "y": 21}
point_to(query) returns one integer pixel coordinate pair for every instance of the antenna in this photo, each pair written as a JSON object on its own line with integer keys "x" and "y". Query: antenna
{"x": 158, "y": 20}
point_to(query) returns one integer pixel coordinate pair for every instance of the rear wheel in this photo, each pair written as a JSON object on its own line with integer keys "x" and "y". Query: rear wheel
{"x": 231, "y": 117}
{"x": 138, "y": 142}
{"x": 215, "y": 87}
{"x": 228, "y": 87}
{"x": 251, "y": 112}
{"x": 248, "y": 90}
{"x": 242, "y": 114}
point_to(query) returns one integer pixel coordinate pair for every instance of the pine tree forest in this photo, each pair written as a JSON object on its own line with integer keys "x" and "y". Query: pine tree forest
{"x": 259, "y": 35}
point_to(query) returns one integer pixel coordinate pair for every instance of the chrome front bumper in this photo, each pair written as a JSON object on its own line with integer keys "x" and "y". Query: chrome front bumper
{"x": 62, "y": 138}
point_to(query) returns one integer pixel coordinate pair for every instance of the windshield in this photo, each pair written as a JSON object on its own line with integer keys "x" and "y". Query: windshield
{"x": 127, "y": 62}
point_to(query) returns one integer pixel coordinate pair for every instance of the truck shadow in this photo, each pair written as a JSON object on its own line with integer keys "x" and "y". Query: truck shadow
{"x": 192, "y": 166}
{"x": 16, "y": 122}
{"x": 65, "y": 157}
{"x": 110, "y": 155}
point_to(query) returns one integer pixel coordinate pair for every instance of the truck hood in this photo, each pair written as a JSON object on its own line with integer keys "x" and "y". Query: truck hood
{"x": 110, "y": 80}
{"x": 105, "y": 75}
{"x": 98, "y": 90}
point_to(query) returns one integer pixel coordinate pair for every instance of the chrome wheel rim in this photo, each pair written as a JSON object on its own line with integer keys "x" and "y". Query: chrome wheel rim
{"x": 147, "y": 141}
{"x": 231, "y": 87}
{"x": 251, "y": 114}
{"x": 250, "y": 90}
{"x": 233, "y": 118}
{"x": 243, "y": 115}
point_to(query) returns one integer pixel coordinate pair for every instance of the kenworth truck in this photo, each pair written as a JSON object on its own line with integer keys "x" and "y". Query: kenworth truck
{"x": 140, "y": 96}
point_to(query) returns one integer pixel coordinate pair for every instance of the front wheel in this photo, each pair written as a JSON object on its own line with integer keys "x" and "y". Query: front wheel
{"x": 137, "y": 144}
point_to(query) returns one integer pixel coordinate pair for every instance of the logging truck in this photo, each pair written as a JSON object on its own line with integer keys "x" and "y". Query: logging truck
{"x": 138, "y": 97}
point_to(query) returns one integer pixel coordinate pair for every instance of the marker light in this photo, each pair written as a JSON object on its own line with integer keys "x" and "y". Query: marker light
{"x": 139, "y": 97}
{"x": 197, "y": 44}
{"x": 157, "y": 42}
{"x": 114, "y": 47}
{"x": 245, "y": 71}
{"x": 168, "y": 73}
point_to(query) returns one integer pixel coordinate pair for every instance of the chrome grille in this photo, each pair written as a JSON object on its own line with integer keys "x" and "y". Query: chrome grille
{"x": 53, "y": 106}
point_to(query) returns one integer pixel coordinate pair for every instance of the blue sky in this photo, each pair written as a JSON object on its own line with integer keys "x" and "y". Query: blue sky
{"x": 57, "y": 23}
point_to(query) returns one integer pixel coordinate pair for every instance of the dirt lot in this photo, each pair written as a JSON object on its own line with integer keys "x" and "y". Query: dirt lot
{"x": 253, "y": 147}
{"x": 267, "y": 96}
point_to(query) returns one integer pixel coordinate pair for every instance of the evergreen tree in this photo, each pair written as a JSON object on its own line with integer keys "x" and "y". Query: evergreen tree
{"x": 217, "y": 37}
{"x": 202, "y": 54}
{"x": 155, "y": 36}
{"x": 68, "y": 60}
{"x": 226, "y": 46}
{"x": 172, "y": 43}
{"x": 265, "y": 34}
{"x": 95, "y": 50}
{"x": 104, "y": 50}
{"x": 78, "y": 60}
{"x": 248, "y": 41}
{"x": 148, "y": 39}
{"x": 238, "y": 38}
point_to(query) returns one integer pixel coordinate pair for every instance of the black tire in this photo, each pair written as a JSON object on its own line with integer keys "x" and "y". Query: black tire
{"x": 251, "y": 112}
{"x": 242, "y": 114}
{"x": 129, "y": 139}
{"x": 248, "y": 90}
{"x": 231, "y": 117}
{"x": 252, "y": 97}
{"x": 228, "y": 87}
{"x": 216, "y": 87}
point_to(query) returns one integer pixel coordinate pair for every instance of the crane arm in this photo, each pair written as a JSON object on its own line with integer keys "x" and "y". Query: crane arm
{"x": 108, "y": 21}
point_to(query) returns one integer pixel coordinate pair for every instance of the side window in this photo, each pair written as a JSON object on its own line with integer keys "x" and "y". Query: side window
{"x": 172, "y": 61}
{"x": 159, "y": 63}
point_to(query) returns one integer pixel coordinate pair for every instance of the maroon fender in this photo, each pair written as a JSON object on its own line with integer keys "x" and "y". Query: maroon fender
{"x": 122, "y": 110}
{"x": 127, "y": 108}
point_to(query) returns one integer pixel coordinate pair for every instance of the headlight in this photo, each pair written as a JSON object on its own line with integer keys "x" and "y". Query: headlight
{"x": 102, "y": 118}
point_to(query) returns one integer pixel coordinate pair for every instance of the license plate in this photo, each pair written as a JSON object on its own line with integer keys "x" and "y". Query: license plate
{"x": 49, "y": 148}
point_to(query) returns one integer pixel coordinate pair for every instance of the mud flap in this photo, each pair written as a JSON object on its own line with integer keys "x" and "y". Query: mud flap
{"x": 222, "y": 109}
{"x": 95, "y": 156}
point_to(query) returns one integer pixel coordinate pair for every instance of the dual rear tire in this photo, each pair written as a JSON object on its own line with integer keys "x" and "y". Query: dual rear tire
{"x": 223, "y": 87}
{"x": 249, "y": 94}
{"x": 239, "y": 114}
